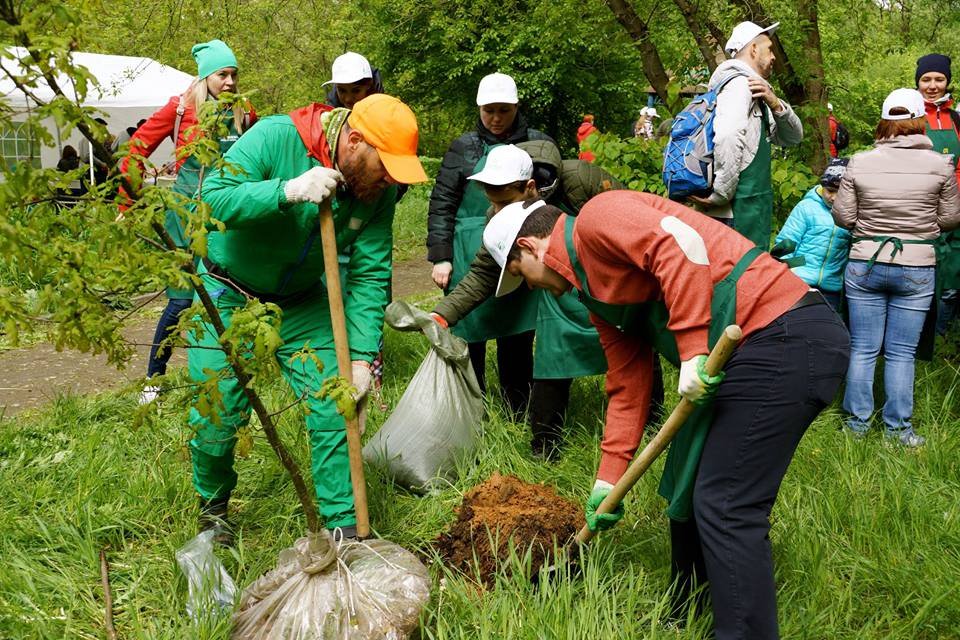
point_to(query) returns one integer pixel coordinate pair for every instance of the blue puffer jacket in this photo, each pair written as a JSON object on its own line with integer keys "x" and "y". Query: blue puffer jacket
{"x": 823, "y": 245}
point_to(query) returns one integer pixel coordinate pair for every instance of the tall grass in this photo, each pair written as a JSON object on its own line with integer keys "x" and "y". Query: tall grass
{"x": 866, "y": 537}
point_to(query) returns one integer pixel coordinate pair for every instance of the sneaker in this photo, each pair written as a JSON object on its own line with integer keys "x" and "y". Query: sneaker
{"x": 856, "y": 434}
{"x": 148, "y": 395}
{"x": 905, "y": 437}
{"x": 213, "y": 515}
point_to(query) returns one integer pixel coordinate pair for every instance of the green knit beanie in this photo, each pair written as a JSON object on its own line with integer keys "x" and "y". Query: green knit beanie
{"x": 212, "y": 56}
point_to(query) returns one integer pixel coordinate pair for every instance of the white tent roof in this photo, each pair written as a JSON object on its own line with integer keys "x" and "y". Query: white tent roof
{"x": 125, "y": 81}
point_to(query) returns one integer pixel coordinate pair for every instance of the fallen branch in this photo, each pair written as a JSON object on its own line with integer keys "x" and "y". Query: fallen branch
{"x": 107, "y": 597}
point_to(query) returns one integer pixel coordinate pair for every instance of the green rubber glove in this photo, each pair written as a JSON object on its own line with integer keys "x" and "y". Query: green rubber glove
{"x": 601, "y": 521}
{"x": 710, "y": 383}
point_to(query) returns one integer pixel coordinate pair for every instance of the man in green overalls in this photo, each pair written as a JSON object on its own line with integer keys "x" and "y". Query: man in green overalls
{"x": 656, "y": 274}
{"x": 749, "y": 116}
{"x": 567, "y": 345}
{"x": 270, "y": 250}
{"x": 943, "y": 128}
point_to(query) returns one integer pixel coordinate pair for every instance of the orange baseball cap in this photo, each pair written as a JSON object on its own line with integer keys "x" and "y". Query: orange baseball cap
{"x": 390, "y": 127}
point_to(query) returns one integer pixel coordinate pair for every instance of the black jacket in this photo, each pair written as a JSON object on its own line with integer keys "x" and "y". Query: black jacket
{"x": 458, "y": 163}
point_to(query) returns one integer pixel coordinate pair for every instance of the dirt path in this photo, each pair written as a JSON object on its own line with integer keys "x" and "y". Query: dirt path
{"x": 34, "y": 376}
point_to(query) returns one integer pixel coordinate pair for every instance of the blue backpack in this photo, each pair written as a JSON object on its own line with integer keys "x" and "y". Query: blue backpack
{"x": 688, "y": 157}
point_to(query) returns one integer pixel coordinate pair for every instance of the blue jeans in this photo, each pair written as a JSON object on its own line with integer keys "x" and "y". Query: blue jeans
{"x": 888, "y": 305}
{"x": 159, "y": 356}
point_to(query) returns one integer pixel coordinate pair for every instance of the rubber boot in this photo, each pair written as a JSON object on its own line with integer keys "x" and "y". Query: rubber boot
{"x": 213, "y": 515}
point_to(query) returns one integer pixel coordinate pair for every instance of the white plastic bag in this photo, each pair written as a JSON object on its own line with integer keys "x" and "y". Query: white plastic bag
{"x": 437, "y": 417}
{"x": 211, "y": 590}
{"x": 320, "y": 590}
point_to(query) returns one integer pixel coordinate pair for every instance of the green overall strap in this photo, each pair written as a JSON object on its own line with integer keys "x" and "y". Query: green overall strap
{"x": 884, "y": 241}
{"x": 723, "y": 304}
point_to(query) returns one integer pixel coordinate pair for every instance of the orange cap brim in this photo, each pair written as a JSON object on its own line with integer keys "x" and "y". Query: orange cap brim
{"x": 403, "y": 169}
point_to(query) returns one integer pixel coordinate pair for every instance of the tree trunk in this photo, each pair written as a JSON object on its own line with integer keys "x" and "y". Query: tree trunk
{"x": 652, "y": 63}
{"x": 707, "y": 34}
{"x": 815, "y": 122}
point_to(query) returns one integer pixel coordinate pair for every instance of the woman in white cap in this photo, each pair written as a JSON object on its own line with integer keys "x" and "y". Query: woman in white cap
{"x": 896, "y": 199}
{"x": 217, "y": 72}
{"x": 455, "y": 232}
{"x": 353, "y": 79}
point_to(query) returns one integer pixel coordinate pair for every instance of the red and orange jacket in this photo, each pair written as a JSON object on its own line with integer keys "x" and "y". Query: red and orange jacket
{"x": 584, "y": 131}
{"x": 938, "y": 117}
{"x": 637, "y": 247}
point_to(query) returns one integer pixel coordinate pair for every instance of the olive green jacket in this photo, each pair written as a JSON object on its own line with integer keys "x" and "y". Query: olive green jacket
{"x": 579, "y": 181}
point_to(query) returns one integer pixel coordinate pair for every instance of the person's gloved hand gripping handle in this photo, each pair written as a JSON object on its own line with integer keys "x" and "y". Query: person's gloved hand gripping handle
{"x": 314, "y": 185}
{"x": 696, "y": 385}
{"x": 601, "y": 521}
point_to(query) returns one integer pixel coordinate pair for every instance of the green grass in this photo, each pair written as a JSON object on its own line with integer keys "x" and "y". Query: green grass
{"x": 866, "y": 538}
{"x": 410, "y": 222}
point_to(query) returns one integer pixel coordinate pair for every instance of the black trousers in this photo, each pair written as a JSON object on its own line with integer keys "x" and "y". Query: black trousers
{"x": 514, "y": 366}
{"x": 776, "y": 384}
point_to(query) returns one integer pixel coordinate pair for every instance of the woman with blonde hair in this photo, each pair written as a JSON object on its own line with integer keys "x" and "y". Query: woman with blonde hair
{"x": 896, "y": 200}
{"x": 216, "y": 74}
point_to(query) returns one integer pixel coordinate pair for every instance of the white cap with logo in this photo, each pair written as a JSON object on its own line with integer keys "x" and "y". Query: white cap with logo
{"x": 505, "y": 164}
{"x": 909, "y": 99}
{"x": 743, "y": 33}
{"x": 497, "y": 87}
{"x": 500, "y": 234}
{"x": 350, "y": 67}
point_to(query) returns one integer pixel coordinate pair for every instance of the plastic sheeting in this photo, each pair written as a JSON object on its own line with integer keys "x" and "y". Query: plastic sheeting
{"x": 438, "y": 416}
{"x": 370, "y": 590}
{"x": 211, "y": 590}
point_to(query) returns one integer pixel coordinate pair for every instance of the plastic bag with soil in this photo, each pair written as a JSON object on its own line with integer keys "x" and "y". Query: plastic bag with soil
{"x": 437, "y": 417}
{"x": 345, "y": 591}
{"x": 506, "y": 515}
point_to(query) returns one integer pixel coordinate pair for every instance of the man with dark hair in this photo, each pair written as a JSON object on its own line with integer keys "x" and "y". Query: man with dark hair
{"x": 656, "y": 274}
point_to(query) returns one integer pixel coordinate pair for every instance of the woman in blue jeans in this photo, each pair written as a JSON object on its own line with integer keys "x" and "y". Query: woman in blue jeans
{"x": 896, "y": 199}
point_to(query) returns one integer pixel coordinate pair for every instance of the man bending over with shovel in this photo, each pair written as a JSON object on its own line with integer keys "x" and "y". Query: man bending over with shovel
{"x": 271, "y": 250}
{"x": 656, "y": 274}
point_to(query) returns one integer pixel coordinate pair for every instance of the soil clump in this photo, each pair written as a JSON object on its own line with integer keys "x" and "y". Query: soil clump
{"x": 503, "y": 514}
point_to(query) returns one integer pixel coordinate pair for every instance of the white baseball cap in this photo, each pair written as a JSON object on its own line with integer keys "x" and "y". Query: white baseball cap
{"x": 505, "y": 163}
{"x": 650, "y": 112}
{"x": 350, "y": 67}
{"x": 497, "y": 87}
{"x": 909, "y": 99}
{"x": 743, "y": 33}
{"x": 499, "y": 236}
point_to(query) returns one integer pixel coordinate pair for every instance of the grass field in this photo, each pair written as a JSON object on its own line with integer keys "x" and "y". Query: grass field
{"x": 866, "y": 538}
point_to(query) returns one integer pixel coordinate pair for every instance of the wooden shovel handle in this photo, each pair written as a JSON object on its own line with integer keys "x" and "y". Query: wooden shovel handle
{"x": 715, "y": 362}
{"x": 331, "y": 266}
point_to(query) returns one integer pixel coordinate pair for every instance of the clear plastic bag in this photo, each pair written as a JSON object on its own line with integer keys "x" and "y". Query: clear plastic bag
{"x": 324, "y": 590}
{"x": 211, "y": 590}
{"x": 437, "y": 418}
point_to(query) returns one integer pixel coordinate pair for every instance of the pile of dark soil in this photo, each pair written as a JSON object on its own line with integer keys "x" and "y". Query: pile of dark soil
{"x": 511, "y": 514}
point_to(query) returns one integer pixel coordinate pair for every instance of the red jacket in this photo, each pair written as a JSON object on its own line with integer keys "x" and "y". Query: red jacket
{"x": 938, "y": 117}
{"x": 583, "y": 132}
{"x": 832, "y": 121}
{"x": 158, "y": 128}
{"x": 636, "y": 247}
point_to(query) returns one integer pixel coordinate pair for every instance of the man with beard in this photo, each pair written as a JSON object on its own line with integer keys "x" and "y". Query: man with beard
{"x": 267, "y": 197}
{"x": 749, "y": 116}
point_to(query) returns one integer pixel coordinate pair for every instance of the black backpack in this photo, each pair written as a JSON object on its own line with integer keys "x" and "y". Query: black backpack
{"x": 842, "y": 139}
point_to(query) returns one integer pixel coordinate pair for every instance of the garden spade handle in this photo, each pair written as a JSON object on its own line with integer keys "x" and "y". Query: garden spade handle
{"x": 715, "y": 362}
{"x": 328, "y": 236}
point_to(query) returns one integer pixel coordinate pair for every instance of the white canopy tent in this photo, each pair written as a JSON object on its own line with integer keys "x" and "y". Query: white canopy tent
{"x": 130, "y": 88}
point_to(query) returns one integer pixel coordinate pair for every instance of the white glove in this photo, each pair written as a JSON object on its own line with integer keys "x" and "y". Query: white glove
{"x": 362, "y": 378}
{"x": 691, "y": 386}
{"x": 314, "y": 185}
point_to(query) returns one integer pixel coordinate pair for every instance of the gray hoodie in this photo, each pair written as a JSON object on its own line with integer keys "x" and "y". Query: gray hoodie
{"x": 736, "y": 131}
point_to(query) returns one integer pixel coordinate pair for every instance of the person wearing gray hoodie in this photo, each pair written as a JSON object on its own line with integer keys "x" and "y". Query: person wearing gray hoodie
{"x": 749, "y": 117}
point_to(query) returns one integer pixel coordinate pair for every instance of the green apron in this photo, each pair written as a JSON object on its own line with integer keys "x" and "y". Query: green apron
{"x": 649, "y": 320}
{"x": 187, "y": 183}
{"x": 948, "y": 246}
{"x": 568, "y": 345}
{"x": 496, "y": 317}
{"x": 753, "y": 200}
